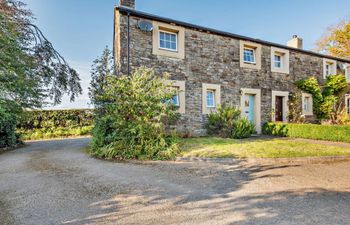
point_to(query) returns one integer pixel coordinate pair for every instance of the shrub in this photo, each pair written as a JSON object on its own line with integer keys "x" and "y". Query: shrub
{"x": 339, "y": 133}
{"x": 133, "y": 124}
{"x": 8, "y": 136}
{"x": 227, "y": 122}
{"x": 48, "y": 119}
{"x": 242, "y": 128}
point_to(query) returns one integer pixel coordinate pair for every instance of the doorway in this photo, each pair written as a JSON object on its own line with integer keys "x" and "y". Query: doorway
{"x": 279, "y": 109}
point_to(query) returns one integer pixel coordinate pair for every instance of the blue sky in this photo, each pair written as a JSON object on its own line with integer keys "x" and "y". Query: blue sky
{"x": 80, "y": 29}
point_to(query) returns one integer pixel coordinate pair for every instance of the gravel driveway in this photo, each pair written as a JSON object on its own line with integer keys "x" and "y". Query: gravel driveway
{"x": 55, "y": 182}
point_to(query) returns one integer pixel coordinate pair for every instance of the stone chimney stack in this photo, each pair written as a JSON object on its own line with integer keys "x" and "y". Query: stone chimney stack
{"x": 295, "y": 42}
{"x": 127, "y": 3}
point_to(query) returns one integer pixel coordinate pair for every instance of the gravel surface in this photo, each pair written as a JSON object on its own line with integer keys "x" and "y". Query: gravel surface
{"x": 56, "y": 182}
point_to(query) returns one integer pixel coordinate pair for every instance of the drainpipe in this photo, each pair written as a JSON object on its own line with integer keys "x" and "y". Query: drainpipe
{"x": 128, "y": 43}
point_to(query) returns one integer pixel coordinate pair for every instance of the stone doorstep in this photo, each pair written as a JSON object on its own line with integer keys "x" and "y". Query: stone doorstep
{"x": 306, "y": 160}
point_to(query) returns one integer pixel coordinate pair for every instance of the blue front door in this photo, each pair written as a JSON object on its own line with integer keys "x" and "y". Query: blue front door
{"x": 249, "y": 107}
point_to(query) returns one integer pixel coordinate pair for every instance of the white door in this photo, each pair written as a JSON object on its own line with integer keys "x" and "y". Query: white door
{"x": 249, "y": 107}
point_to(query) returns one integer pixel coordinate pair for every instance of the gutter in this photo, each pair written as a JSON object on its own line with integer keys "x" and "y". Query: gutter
{"x": 132, "y": 12}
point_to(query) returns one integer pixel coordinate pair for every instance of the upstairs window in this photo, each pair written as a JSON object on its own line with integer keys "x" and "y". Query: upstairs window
{"x": 278, "y": 61}
{"x": 249, "y": 55}
{"x": 347, "y": 73}
{"x": 329, "y": 67}
{"x": 210, "y": 98}
{"x": 168, "y": 41}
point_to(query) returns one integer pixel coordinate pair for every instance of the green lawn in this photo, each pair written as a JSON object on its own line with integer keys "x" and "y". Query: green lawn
{"x": 210, "y": 147}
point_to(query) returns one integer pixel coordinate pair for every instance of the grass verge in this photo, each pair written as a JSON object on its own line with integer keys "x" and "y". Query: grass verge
{"x": 210, "y": 147}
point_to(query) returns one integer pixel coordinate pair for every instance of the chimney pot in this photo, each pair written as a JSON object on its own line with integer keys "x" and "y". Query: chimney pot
{"x": 127, "y": 3}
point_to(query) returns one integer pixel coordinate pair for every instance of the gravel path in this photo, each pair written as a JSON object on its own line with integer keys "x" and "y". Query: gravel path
{"x": 55, "y": 182}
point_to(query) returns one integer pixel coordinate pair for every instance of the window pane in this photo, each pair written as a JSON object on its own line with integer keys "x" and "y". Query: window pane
{"x": 173, "y": 46}
{"x": 167, "y": 37}
{"x": 249, "y": 55}
{"x": 173, "y": 38}
{"x": 167, "y": 44}
{"x": 210, "y": 99}
{"x": 162, "y": 44}
{"x": 161, "y": 36}
{"x": 175, "y": 100}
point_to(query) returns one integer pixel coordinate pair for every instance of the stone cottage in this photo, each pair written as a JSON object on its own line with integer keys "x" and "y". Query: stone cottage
{"x": 211, "y": 67}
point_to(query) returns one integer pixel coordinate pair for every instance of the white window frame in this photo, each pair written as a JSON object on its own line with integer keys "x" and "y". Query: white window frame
{"x": 176, "y": 40}
{"x": 284, "y": 54}
{"x": 213, "y": 105}
{"x": 254, "y": 55}
{"x": 216, "y": 88}
{"x": 332, "y": 67}
{"x": 309, "y": 111}
{"x": 347, "y": 72}
{"x": 280, "y": 55}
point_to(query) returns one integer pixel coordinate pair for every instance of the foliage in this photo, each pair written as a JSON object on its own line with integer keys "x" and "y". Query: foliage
{"x": 134, "y": 121}
{"x": 31, "y": 70}
{"x": 8, "y": 136}
{"x": 102, "y": 68}
{"x": 339, "y": 133}
{"x": 227, "y": 122}
{"x": 211, "y": 147}
{"x": 327, "y": 100}
{"x": 336, "y": 41}
{"x": 295, "y": 111}
{"x": 58, "y": 132}
{"x": 51, "y": 119}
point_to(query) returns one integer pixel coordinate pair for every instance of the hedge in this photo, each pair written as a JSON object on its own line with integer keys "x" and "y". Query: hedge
{"x": 45, "y": 124}
{"x": 49, "y": 119}
{"x": 309, "y": 131}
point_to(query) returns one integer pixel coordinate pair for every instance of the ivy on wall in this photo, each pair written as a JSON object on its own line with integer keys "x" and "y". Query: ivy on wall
{"x": 327, "y": 99}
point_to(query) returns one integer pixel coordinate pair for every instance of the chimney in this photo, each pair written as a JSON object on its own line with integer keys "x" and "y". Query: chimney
{"x": 127, "y": 3}
{"x": 295, "y": 42}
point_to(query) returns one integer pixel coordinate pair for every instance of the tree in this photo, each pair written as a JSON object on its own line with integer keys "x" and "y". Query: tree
{"x": 32, "y": 72}
{"x": 101, "y": 69}
{"x": 133, "y": 125}
{"x": 336, "y": 40}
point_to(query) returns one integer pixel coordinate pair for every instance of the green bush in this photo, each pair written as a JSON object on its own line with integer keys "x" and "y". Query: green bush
{"x": 309, "y": 131}
{"x": 70, "y": 118}
{"x": 46, "y": 124}
{"x": 58, "y": 132}
{"x": 8, "y": 136}
{"x": 242, "y": 128}
{"x": 133, "y": 124}
{"x": 227, "y": 122}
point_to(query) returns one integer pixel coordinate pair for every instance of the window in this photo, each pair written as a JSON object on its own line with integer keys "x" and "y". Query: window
{"x": 279, "y": 60}
{"x": 347, "y": 72}
{"x": 249, "y": 55}
{"x": 307, "y": 104}
{"x": 329, "y": 67}
{"x": 179, "y": 97}
{"x": 210, "y": 98}
{"x": 176, "y": 98}
{"x": 168, "y": 41}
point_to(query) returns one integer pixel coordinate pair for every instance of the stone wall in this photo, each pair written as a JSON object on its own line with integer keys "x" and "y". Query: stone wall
{"x": 210, "y": 58}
